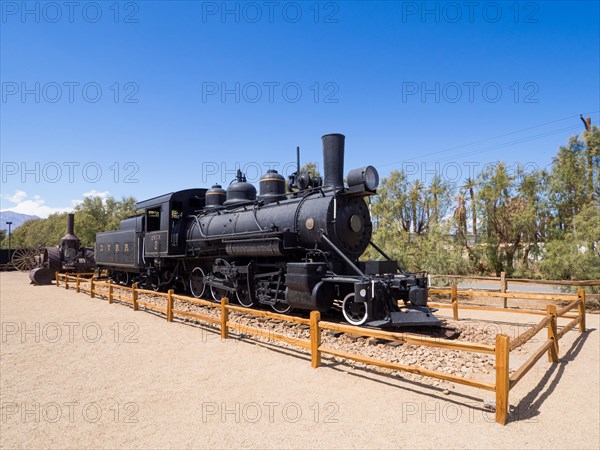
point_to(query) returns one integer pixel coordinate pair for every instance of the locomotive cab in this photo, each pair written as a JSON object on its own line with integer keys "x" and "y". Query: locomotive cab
{"x": 164, "y": 229}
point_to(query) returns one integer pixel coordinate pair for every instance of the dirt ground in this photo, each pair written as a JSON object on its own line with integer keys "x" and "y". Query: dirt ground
{"x": 77, "y": 372}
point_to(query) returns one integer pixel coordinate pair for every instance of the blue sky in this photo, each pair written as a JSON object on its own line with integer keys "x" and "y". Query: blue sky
{"x": 142, "y": 98}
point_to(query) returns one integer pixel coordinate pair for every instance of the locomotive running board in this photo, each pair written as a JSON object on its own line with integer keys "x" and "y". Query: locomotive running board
{"x": 412, "y": 316}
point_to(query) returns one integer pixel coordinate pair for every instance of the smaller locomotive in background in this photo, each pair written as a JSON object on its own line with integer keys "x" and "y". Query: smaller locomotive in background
{"x": 298, "y": 247}
{"x": 69, "y": 256}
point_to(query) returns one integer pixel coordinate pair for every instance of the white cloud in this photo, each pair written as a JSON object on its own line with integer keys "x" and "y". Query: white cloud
{"x": 17, "y": 198}
{"x": 36, "y": 205}
{"x": 94, "y": 193}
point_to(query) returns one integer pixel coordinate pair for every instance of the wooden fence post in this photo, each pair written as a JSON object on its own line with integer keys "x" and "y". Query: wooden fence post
{"x": 503, "y": 288}
{"x": 454, "y": 297}
{"x": 224, "y": 317}
{"x": 502, "y": 377}
{"x": 134, "y": 296}
{"x": 110, "y": 291}
{"x": 57, "y": 280}
{"x": 92, "y": 294}
{"x": 66, "y": 281}
{"x": 170, "y": 305}
{"x": 78, "y": 288}
{"x": 315, "y": 339}
{"x": 581, "y": 309}
{"x": 553, "y": 350}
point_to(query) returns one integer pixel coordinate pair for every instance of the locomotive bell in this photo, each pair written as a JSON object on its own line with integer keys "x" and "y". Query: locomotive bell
{"x": 272, "y": 187}
{"x": 215, "y": 196}
{"x": 240, "y": 191}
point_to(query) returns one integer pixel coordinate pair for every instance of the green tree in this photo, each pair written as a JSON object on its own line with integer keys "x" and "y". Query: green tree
{"x": 575, "y": 255}
{"x": 568, "y": 184}
{"x": 391, "y": 207}
{"x": 440, "y": 195}
{"x": 312, "y": 168}
{"x": 592, "y": 156}
{"x": 91, "y": 216}
{"x": 94, "y": 215}
{"x": 509, "y": 217}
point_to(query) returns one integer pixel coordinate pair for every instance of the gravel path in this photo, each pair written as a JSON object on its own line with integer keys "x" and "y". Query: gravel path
{"x": 79, "y": 373}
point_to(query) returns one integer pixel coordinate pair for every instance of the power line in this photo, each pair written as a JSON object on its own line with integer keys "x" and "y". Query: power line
{"x": 507, "y": 144}
{"x": 493, "y": 138}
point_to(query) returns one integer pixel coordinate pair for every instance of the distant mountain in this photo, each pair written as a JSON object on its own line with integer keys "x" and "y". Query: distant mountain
{"x": 16, "y": 219}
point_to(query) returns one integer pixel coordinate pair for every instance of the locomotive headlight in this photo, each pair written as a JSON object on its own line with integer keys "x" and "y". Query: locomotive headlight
{"x": 366, "y": 176}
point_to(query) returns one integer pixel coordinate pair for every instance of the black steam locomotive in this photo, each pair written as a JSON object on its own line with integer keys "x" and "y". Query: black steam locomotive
{"x": 286, "y": 248}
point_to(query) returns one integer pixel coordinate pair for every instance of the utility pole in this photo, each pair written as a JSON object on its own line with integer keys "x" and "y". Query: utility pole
{"x": 587, "y": 123}
{"x": 9, "y": 224}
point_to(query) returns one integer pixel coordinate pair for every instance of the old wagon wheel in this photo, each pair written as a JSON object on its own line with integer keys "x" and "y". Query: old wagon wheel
{"x": 23, "y": 259}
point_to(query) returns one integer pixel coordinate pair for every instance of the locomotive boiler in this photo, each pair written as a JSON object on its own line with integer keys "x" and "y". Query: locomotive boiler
{"x": 68, "y": 256}
{"x": 288, "y": 248}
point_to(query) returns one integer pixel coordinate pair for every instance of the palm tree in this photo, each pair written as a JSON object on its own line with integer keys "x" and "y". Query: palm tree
{"x": 415, "y": 197}
{"x": 435, "y": 189}
{"x": 460, "y": 213}
{"x": 470, "y": 184}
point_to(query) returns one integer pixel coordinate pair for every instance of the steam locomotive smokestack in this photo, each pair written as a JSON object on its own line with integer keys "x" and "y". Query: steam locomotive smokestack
{"x": 333, "y": 160}
{"x": 70, "y": 237}
{"x": 71, "y": 224}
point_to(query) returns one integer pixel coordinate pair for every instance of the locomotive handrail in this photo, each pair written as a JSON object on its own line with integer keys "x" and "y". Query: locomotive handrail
{"x": 233, "y": 235}
{"x": 261, "y": 232}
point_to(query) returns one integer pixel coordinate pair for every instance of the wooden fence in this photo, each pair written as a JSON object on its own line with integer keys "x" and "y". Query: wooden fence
{"x": 501, "y": 349}
{"x": 504, "y": 283}
{"x": 503, "y": 280}
{"x": 504, "y": 345}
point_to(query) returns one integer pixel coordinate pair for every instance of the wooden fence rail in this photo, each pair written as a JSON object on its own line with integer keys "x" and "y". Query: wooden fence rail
{"x": 454, "y": 294}
{"x": 503, "y": 280}
{"x": 501, "y": 349}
